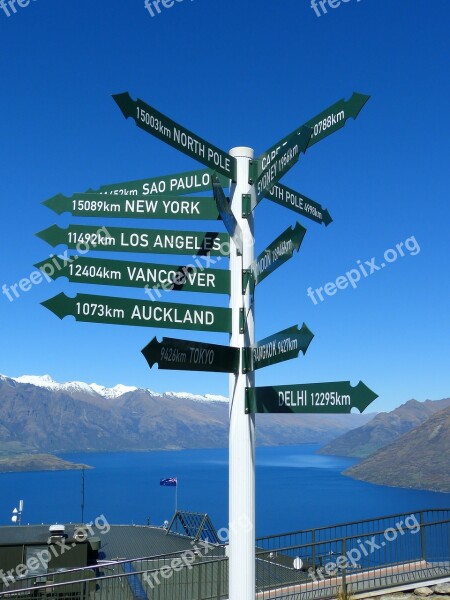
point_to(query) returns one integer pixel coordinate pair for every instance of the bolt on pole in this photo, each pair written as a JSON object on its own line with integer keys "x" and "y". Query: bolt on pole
{"x": 242, "y": 425}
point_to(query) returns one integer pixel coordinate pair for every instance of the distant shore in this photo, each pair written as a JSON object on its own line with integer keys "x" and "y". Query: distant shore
{"x": 37, "y": 462}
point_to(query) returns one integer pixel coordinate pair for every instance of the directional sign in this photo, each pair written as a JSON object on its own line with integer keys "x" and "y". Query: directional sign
{"x": 272, "y": 170}
{"x": 184, "y": 355}
{"x": 120, "y": 239}
{"x": 299, "y": 203}
{"x": 279, "y": 347}
{"x": 135, "y": 207}
{"x": 189, "y": 182}
{"x": 338, "y": 397}
{"x": 231, "y": 225}
{"x": 151, "y": 120}
{"x": 187, "y": 278}
{"x": 278, "y": 252}
{"x": 144, "y": 313}
{"x": 327, "y": 122}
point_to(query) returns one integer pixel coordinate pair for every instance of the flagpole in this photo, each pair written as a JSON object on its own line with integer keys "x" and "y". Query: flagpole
{"x": 176, "y": 495}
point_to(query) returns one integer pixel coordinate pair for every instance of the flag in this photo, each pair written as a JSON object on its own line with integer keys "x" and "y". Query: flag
{"x": 170, "y": 481}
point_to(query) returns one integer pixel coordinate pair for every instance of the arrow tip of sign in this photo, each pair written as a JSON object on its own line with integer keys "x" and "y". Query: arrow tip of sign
{"x": 55, "y": 203}
{"x": 358, "y": 101}
{"x": 309, "y": 337}
{"x": 298, "y": 232}
{"x": 54, "y": 273}
{"x": 50, "y": 235}
{"x": 57, "y": 305}
{"x": 149, "y": 351}
{"x": 367, "y": 394}
{"x": 124, "y": 102}
{"x": 326, "y": 218}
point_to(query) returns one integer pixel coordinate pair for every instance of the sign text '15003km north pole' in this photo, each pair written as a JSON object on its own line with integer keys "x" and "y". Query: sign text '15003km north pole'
{"x": 151, "y": 120}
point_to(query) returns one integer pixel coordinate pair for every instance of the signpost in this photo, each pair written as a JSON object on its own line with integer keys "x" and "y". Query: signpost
{"x": 275, "y": 255}
{"x": 226, "y": 215}
{"x": 338, "y": 397}
{"x": 327, "y": 122}
{"x": 151, "y": 120}
{"x": 121, "y": 239}
{"x": 167, "y": 197}
{"x": 99, "y": 271}
{"x": 270, "y": 170}
{"x": 135, "y": 207}
{"x": 299, "y": 203}
{"x": 127, "y": 311}
{"x": 278, "y": 347}
{"x": 184, "y": 355}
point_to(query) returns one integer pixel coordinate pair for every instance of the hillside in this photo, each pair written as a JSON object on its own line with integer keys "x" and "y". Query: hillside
{"x": 383, "y": 429}
{"x": 36, "y": 462}
{"x": 419, "y": 459}
{"x": 45, "y": 416}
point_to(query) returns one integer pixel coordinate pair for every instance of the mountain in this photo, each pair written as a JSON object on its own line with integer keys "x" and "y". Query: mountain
{"x": 38, "y": 414}
{"x": 419, "y": 459}
{"x": 383, "y": 429}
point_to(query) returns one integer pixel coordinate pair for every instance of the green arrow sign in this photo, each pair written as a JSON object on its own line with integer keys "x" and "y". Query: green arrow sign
{"x": 324, "y": 124}
{"x": 271, "y": 171}
{"x": 187, "y": 278}
{"x": 338, "y": 397}
{"x": 279, "y": 347}
{"x": 183, "y": 355}
{"x": 227, "y": 216}
{"x": 144, "y": 313}
{"x": 278, "y": 252}
{"x": 189, "y": 182}
{"x": 299, "y": 203}
{"x": 119, "y": 239}
{"x": 136, "y": 207}
{"x": 151, "y": 120}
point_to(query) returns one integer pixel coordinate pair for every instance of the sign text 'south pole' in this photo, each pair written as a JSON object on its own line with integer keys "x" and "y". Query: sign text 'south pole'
{"x": 242, "y": 426}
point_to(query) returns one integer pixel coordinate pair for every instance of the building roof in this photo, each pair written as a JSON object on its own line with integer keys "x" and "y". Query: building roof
{"x": 13, "y": 535}
{"x": 138, "y": 541}
{"x": 122, "y": 542}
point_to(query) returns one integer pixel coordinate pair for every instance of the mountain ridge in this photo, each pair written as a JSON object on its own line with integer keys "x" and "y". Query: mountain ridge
{"x": 48, "y": 417}
{"x": 383, "y": 429}
{"x": 418, "y": 459}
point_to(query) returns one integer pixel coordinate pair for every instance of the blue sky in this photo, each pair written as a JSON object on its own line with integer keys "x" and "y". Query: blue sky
{"x": 239, "y": 73}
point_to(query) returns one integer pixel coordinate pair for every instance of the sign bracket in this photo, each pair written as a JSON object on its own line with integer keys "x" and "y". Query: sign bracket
{"x": 246, "y": 205}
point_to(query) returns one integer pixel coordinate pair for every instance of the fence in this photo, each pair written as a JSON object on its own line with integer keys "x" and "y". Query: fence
{"x": 317, "y": 563}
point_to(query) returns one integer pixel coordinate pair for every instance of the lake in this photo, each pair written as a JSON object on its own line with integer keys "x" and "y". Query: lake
{"x": 295, "y": 489}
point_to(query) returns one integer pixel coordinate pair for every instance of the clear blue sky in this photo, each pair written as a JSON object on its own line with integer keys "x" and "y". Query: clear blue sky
{"x": 239, "y": 73}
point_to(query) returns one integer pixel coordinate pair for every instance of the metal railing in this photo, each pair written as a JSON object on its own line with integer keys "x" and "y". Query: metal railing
{"x": 348, "y": 558}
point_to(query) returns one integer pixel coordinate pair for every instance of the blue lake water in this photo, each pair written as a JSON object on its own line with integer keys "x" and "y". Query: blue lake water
{"x": 295, "y": 489}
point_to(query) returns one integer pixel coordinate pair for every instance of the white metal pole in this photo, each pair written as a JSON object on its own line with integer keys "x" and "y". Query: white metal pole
{"x": 242, "y": 426}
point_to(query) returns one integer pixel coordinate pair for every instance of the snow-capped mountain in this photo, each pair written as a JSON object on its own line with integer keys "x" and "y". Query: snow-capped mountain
{"x": 46, "y": 416}
{"x": 114, "y": 392}
{"x": 76, "y": 387}
{"x": 45, "y": 381}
